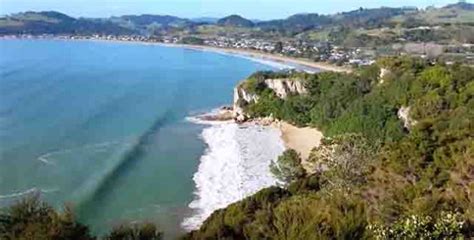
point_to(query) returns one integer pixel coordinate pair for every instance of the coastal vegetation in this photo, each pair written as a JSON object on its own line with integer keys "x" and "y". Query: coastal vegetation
{"x": 288, "y": 167}
{"x": 376, "y": 175}
{"x": 30, "y": 218}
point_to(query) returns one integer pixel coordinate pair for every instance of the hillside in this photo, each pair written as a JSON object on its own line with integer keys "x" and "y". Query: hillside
{"x": 144, "y": 22}
{"x": 235, "y": 21}
{"x": 296, "y": 23}
{"x": 460, "y": 13}
{"x": 336, "y": 27}
{"x": 56, "y": 23}
{"x": 397, "y": 161}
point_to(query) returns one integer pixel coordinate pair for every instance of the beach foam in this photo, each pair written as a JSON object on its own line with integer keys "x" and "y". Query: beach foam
{"x": 268, "y": 62}
{"x": 234, "y": 166}
{"x": 27, "y": 192}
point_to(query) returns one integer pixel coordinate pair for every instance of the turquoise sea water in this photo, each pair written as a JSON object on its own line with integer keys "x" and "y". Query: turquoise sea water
{"x": 101, "y": 126}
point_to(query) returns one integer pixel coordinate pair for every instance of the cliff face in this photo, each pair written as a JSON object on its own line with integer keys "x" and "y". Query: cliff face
{"x": 242, "y": 98}
{"x": 281, "y": 87}
{"x": 285, "y": 87}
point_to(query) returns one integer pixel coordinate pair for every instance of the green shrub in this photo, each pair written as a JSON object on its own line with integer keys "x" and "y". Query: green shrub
{"x": 32, "y": 219}
{"x": 145, "y": 231}
{"x": 288, "y": 167}
{"x": 445, "y": 226}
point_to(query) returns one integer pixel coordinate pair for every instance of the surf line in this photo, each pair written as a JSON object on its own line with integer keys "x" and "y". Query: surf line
{"x": 47, "y": 157}
{"x": 29, "y": 191}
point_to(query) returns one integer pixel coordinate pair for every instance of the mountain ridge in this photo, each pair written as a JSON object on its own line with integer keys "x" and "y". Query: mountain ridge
{"x": 54, "y": 22}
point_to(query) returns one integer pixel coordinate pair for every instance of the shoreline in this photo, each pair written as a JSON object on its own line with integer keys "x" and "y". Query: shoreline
{"x": 300, "y": 139}
{"x": 233, "y": 166}
{"x": 302, "y": 64}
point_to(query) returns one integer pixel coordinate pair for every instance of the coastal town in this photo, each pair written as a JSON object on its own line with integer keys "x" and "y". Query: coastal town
{"x": 320, "y": 51}
{"x": 317, "y": 52}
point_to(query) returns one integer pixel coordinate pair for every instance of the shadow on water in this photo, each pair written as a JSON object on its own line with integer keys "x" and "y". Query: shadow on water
{"x": 89, "y": 204}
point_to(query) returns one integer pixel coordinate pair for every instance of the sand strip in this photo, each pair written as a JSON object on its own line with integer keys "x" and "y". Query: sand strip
{"x": 266, "y": 56}
{"x": 277, "y": 58}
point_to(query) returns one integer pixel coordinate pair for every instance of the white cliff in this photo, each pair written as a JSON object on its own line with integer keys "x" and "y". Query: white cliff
{"x": 282, "y": 88}
{"x": 285, "y": 87}
{"x": 242, "y": 98}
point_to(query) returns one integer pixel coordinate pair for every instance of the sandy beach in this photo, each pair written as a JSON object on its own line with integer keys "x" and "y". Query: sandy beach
{"x": 307, "y": 64}
{"x": 302, "y": 140}
{"x": 316, "y": 66}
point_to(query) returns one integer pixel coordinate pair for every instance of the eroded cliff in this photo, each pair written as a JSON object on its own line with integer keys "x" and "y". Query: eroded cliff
{"x": 282, "y": 87}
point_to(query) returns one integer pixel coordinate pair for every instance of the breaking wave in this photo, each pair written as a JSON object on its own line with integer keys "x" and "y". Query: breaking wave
{"x": 234, "y": 166}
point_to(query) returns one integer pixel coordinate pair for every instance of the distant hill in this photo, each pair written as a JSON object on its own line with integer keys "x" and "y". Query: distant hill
{"x": 151, "y": 24}
{"x": 209, "y": 20}
{"x": 461, "y": 5}
{"x": 297, "y": 23}
{"x": 453, "y": 13}
{"x": 370, "y": 18}
{"x": 51, "y": 22}
{"x": 160, "y": 20}
{"x": 235, "y": 21}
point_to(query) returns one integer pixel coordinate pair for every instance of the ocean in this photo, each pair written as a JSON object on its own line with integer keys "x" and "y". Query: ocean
{"x": 107, "y": 128}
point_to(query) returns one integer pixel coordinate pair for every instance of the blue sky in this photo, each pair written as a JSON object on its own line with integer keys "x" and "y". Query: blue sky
{"x": 254, "y": 9}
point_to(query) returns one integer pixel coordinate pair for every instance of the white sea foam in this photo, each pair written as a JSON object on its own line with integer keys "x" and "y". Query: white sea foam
{"x": 264, "y": 61}
{"x": 199, "y": 119}
{"x": 48, "y": 158}
{"x": 271, "y": 63}
{"x": 29, "y": 191}
{"x": 234, "y": 166}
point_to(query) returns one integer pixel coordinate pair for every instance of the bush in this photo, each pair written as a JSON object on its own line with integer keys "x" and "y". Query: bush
{"x": 445, "y": 226}
{"x": 32, "y": 219}
{"x": 146, "y": 231}
{"x": 344, "y": 161}
{"x": 288, "y": 167}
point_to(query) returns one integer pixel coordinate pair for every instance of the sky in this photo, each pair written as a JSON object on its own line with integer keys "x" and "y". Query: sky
{"x": 253, "y": 9}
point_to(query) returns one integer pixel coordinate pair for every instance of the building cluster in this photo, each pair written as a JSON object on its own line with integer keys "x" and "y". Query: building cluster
{"x": 241, "y": 43}
{"x": 317, "y": 51}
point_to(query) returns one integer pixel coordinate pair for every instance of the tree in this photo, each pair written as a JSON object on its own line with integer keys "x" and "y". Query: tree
{"x": 288, "y": 167}
{"x": 146, "y": 231}
{"x": 344, "y": 160}
{"x": 32, "y": 219}
{"x": 278, "y": 47}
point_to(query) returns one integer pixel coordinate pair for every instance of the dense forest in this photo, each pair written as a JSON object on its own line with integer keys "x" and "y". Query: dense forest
{"x": 376, "y": 175}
